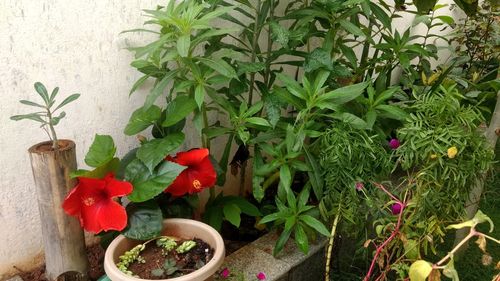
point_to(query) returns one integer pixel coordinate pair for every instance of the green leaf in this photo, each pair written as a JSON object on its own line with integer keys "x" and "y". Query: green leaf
{"x": 147, "y": 185}
{"x": 392, "y": 112}
{"x": 220, "y": 66}
{"x": 480, "y": 217}
{"x": 138, "y": 83}
{"x": 351, "y": 119}
{"x": 154, "y": 151}
{"x": 199, "y": 95}
{"x": 31, "y": 116}
{"x": 424, "y": 6}
{"x": 141, "y": 119}
{"x": 99, "y": 172}
{"x": 344, "y": 94}
{"x": 292, "y": 85}
{"x": 30, "y": 103}
{"x": 351, "y": 28}
{"x": 301, "y": 239}
{"x": 183, "y": 44}
{"x": 101, "y": 151}
{"x": 315, "y": 175}
{"x": 245, "y": 206}
{"x": 67, "y": 100}
{"x": 213, "y": 216}
{"x": 42, "y": 91}
{"x": 420, "y": 270}
{"x": 258, "y": 121}
{"x": 280, "y": 243}
{"x": 450, "y": 271}
{"x": 159, "y": 88}
{"x": 178, "y": 109}
{"x": 232, "y": 214}
{"x": 315, "y": 224}
{"x": 319, "y": 58}
{"x": 446, "y": 19}
{"x": 279, "y": 34}
{"x": 144, "y": 221}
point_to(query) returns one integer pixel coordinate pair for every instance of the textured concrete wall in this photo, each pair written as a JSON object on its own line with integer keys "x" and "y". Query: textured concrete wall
{"x": 74, "y": 45}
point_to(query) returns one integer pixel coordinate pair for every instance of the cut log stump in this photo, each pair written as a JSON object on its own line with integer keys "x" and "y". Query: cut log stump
{"x": 63, "y": 238}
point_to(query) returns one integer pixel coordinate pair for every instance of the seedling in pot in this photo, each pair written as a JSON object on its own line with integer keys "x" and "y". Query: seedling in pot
{"x": 46, "y": 116}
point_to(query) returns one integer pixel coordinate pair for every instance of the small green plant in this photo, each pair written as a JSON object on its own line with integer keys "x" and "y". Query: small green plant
{"x": 46, "y": 116}
{"x": 167, "y": 243}
{"x": 129, "y": 257}
{"x": 186, "y": 246}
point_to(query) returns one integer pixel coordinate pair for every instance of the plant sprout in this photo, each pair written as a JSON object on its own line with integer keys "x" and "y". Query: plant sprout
{"x": 47, "y": 116}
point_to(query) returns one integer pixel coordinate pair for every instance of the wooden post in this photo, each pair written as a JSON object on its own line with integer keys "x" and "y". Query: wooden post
{"x": 63, "y": 238}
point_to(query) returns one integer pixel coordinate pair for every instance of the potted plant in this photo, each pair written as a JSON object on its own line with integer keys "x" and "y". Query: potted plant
{"x": 52, "y": 161}
{"x": 197, "y": 263}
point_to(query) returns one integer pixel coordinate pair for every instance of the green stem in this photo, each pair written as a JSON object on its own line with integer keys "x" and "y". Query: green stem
{"x": 206, "y": 141}
{"x": 255, "y": 40}
{"x": 55, "y": 144}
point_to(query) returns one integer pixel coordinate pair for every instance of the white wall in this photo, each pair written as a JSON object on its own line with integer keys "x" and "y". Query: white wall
{"x": 74, "y": 45}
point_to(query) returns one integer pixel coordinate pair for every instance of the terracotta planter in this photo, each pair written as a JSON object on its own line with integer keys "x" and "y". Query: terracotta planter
{"x": 182, "y": 228}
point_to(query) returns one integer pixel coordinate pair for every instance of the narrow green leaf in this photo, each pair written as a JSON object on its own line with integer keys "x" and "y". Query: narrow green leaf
{"x": 301, "y": 239}
{"x": 67, "y": 100}
{"x": 42, "y": 91}
{"x": 183, "y": 44}
{"x": 351, "y": 28}
{"x": 259, "y": 121}
{"x": 159, "y": 88}
{"x": 315, "y": 224}
{"x": 280, "y": 243}
{"x": 30, "y": 103}
{"x": 344, "y": 94}
{"x": 220, "y": 66}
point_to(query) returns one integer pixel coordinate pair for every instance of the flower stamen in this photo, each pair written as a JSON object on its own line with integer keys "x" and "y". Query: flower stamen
{"x": 197, "y": 184}
{"x": 89, "y": 201}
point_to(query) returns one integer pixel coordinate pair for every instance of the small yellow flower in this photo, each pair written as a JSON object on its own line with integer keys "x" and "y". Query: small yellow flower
{"x": 452, "y": 152}
{"x": 434, "y": 156}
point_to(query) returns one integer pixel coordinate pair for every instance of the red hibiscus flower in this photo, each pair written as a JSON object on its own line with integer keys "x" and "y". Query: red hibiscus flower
{"x": 91, "y": 200}
{"x": 198, "y": 175}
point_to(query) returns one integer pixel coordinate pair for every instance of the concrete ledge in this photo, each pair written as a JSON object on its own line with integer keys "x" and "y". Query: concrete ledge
{"x": 290, "y": 265}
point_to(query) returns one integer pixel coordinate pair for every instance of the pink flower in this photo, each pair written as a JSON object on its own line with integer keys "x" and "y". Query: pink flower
{"x": 261, "y": 276}
{"x": 225, "y": 273}
{"x": 396, "y": 208}
{"x": 359, "y": 186}
{"x": 394, "y": 143}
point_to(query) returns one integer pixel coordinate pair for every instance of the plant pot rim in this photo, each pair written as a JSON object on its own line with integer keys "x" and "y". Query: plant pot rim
{"x": 203, "y": 273}
{"x": 65, "y": 144}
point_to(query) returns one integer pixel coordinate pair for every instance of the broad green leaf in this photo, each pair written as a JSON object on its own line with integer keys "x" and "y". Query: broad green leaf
{"x": 220, "y": 66}
{"x": 245, "y": 206}
{"x": 292, "y": 85}
{"x": 480, "y": 217}
{"x": 141, "y": 119}
{"x": 424, "y": 6}
{"x": 232, "y": 214}
{"x": 99, "y": 172}
{"x": 67, "y": 100}
{"x": 159, "y": 88}
{"x": 279, "y": 34}
{"x": 319, "y": 58}
{"x": 351, "y": 119}
{"x": 420, "y": 270}
{"x": 450, "y": 271}
{"x": 42, "y": 91}
{"x": 301, "y": 239}
{"x": 344, "y": 94}
{"x": 147, "y": 185}
{"x": 144, "y": 221}
{"x": 183, "y": 44}
{"x": 101, "y": 151}
{"x": 213, "y": 216}
{"x": 446, "y": 19}
{"x": 315, "y": 224}
{"x": 178, "y": 109}
{"x": 154, "y": 151}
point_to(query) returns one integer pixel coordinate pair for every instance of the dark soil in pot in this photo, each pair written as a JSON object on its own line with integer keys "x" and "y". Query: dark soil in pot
{"x": 157, "y": 263}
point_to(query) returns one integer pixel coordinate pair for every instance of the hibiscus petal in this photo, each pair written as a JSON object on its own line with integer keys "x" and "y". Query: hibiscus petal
{"x": 206, "y": 173}
{"x": 181, "y": 184}
{"x": 115, "y": 187}
{"x": 89, "y": 219}
{"x": 111, "y": 216}
{"x": 191, "y": 157}
{"x": 72, "y": 202}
